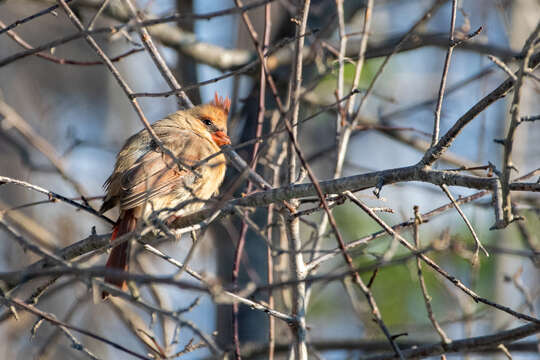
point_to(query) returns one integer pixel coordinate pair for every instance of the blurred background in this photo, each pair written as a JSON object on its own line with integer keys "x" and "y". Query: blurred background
{"x": 78, "y": 113}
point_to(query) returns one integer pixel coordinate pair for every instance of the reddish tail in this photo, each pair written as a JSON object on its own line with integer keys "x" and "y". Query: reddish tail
{"x": 118, "y": 258}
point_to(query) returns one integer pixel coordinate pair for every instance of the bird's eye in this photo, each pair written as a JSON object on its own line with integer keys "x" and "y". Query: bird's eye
{"x": 207, "y": 121}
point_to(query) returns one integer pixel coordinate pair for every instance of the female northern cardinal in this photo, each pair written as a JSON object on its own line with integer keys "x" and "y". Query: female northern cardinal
{"x": 145, "y": 179}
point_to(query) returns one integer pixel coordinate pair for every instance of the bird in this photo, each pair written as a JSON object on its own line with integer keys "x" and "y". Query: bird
{"x": 146, "y": 179}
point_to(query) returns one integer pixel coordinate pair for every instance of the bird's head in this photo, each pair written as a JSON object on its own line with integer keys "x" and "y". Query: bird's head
{"x": 211, "y": 119}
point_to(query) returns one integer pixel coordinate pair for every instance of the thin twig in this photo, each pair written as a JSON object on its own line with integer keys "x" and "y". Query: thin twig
{"x": 341, "y": 114}
{"x": 442, "y": 87}
{"x": 427, "y": 15}
{"x": 55, "y": 196}
{"x": 98, "y": 13}
{"x": 427, "y": 299}
{"x": 528, "y": 50}
{"x": 156, "y": 56}
{"x": 30, "y": 18}
{"x": 478, "y": 243}
{"x": 345, "y": 134}
{"x": 503, "y": 66}
{"x": 19, "y": 40}
{"x": 36, "y": 249}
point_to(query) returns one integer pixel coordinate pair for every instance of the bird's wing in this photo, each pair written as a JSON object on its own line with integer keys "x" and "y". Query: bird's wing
{"x": 155, "y": 174}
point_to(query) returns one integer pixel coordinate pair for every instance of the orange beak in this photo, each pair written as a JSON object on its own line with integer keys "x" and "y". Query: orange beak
{"x": 220, "y": 138}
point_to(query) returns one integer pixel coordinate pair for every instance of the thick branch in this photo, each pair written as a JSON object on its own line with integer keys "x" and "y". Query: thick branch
{"x": 467, "y": 345}
{"x": 417, "y": 348}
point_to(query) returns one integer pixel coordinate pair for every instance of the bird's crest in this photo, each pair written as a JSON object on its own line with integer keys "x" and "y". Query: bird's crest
{"x": 223, "y": 103}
